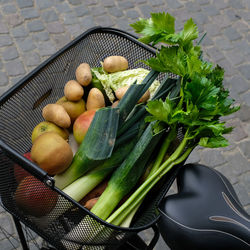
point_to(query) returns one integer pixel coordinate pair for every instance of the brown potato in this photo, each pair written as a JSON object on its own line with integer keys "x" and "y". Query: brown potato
{"x": 83, "y": 74}
{"x": 113, "y": 64}
{"x": 74, "y": 109}
{"x": 73, "y": 90}
{"x": 121, "y": 92}
{"x": 95, "y": 99}
{"x": 57, "y": 114}
{"x": 52, "y": 153}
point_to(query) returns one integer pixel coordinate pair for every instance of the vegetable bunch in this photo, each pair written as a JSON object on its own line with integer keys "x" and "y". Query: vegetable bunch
{"x": 194, "y": 103}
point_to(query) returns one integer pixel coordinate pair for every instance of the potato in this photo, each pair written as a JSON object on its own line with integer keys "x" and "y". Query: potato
{"x": 52, "y": 153}
{"x": 119, "y": 93}
{"x": 74, "y": 109}
{"x": 95, "y": 99}
{"x": 57, "y": 114}
{"x": 83, "y": 74}
{"x": 113, "y": 64}
{"x": 73, "y": 90}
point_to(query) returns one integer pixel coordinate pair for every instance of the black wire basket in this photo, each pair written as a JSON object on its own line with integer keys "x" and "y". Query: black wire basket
{"x": 21, "y": 110}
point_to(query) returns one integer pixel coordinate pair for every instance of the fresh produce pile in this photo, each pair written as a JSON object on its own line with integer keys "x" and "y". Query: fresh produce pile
{"x": 127, "y": 133}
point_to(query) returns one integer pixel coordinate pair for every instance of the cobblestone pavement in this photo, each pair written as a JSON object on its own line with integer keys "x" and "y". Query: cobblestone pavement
{"x": 32, "y": 30}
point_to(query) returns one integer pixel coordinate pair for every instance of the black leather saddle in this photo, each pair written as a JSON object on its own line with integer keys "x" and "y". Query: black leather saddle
{"x": 205, "y": 214}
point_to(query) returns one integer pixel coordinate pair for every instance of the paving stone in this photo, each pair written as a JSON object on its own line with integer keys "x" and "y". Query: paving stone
{"x": 221, "y": 21}
{"x": 243, "y": 45}
{"x": 87, "y": 22}
{"x": 192, "y": 7}
{"x": 200, "y": 18}
{"x": 126, "y": 4}
{"x": 49, "y": 16}
{"x": 32, "y": 59}
{"x": 215, "y": 54}
{"x": 75, "y": 2}
{"x": 229, "y": 173}
{"x": 246, "y": 98}
{"x": 203, "y": 2}
{"x": 223, "y": 43}
{"x": 210, "y": 10}
{"x": 46, "y": 48}
{"x": 239, "y": 84}
{"x": 69, "y": 18}
{"x": 105, "y": 21}
{"x": 9, "y": 9}
{"x": 237, "y": 162}
{"x": 10, "y": 53}
{"x": 44, "y": 4}
{"x": 238, "y": 132}
{"x": 108, "y": 3}
{"x": 25, "y": 3}
{"x": 25, "y": 44}
{"x": 242, "y": 193}
{"x": 3, "y": 79}
{"x": 245, "y": 70}
{"x": 145, "y": 11}
{"x": 244, "y": 113}
{"x": 122, "y": 23}
{"x": 29, "y": 13}
{"x": 245, "y": 148}
{"x": 235, "y": 56}
{"x": 14, "y": 68}
{"x": 55, "y": 27}
{"x": 15, "y": 80}
{"x": 236, "y": 4}
{"x": 221, "y": 5}
{"x": 232, "y": 34}
{"x": 114, "y": 11}
{"x": 173, "y": 4}
{"x": 5, "y": 40}
{"x": 1, "y": 64}
{"x": 232, "y": 15}
{"x": 156, "y": 2}
{"x": 244, "y": 14}
{"x": 212, "y": 157}
{"x": 194, "y": 157}
{"x": 19, "y": 31}
{"x": 241, "y": 27}
{"x": 229, "y": 69}
{"x": 97, "y": 11}
{"x": 5, "y": 245}
{"x": 91, "y": 2}
{"x": 63, "y": 8}
{"x": 133, "y": 14}
{"x": 62, "y": 39}
{"x": 35, "y": 25}
{"x": 3, "y": 28}
{"x": 74, "y": 29}
{"x": 212, "y": 30}
{"x": 14, "y": 19}
{"x": 81, "y": 11}
{"x": 41, "y": 36}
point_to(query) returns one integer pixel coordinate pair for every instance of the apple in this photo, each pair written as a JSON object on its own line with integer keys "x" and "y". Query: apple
{"x": 19, "y": 172}
{"x": 34, "y": 197}
{"x": 81, "y": 125}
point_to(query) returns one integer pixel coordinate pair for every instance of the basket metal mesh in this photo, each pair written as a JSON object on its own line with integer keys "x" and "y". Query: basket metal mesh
{"x": 21, "y": 111}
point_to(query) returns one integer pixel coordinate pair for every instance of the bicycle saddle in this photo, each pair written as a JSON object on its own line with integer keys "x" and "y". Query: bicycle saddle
{"x": 205, "y": 214}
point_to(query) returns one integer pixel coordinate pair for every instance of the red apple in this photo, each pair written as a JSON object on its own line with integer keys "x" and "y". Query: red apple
{"x": 81, "y": 125}
{"x": 19, "y": 172}
{"x": 34, "y": 197}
